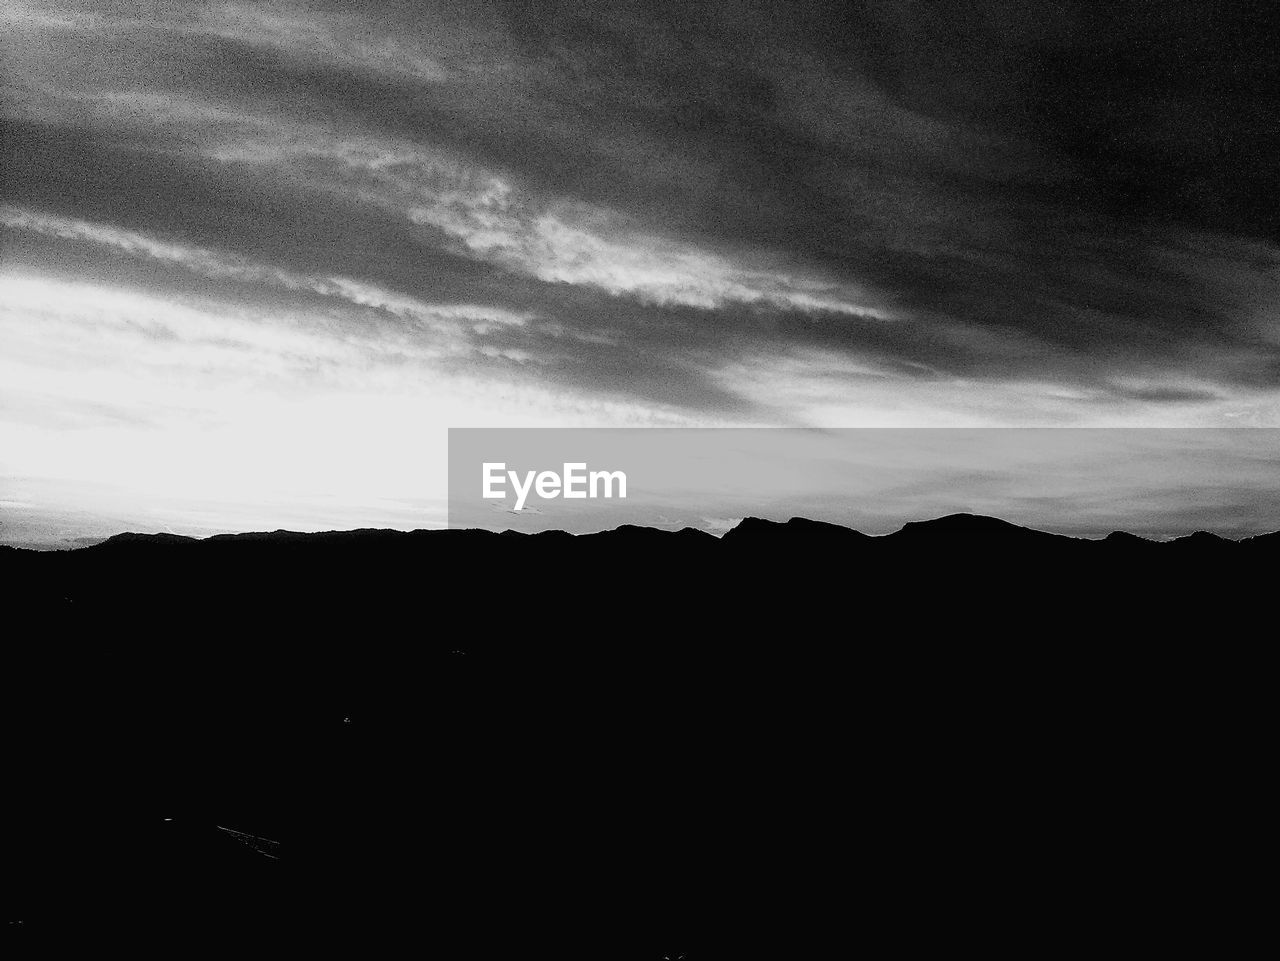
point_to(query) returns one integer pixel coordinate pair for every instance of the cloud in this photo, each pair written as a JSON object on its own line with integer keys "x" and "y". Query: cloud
{"x": 122, "y": 405}
{"x": 764, "y": 214}
{"x": 672, "y": 165}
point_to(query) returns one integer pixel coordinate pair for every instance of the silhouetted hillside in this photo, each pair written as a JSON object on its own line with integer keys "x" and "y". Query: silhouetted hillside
{"x": 635, "y": 590}
{"x": 615, "y": 744}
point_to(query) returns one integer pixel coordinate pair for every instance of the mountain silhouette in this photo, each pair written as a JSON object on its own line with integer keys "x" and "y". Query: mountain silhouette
{"x": 963, "y": 530}
{"x": 556, "y": 738}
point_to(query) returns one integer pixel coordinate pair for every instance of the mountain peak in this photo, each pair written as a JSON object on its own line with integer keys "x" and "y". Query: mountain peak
{"x": 132, "y": 537}
{"x": 965, "y": 521}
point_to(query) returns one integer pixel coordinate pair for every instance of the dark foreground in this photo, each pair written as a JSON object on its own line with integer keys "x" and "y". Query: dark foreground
{"x": 795, "y": 741}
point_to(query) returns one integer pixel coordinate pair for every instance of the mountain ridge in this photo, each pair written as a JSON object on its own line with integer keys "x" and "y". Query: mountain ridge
{"x": 960, "y": 524}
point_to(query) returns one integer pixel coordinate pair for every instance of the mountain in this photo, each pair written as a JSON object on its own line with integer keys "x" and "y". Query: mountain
{"x": 753, "y": 531}
{"x": 634, "y": 743}
{"x": 130, "y": 539}
{"x": 633, "y": 589}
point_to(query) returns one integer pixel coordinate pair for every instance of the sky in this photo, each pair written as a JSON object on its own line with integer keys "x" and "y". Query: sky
{"x": 1159, "y": 483}
{"x": 256, "y": 258}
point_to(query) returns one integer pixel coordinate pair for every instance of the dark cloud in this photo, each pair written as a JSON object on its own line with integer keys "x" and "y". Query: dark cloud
{"x": 1068, "y": 193}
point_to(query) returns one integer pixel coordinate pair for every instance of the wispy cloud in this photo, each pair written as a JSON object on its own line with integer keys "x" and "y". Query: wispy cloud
{"x": 826, "y": 214}
{"x": 445, "y": 318}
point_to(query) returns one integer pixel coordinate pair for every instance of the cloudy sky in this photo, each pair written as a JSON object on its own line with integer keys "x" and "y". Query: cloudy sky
{"x": 256, "y": 257}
